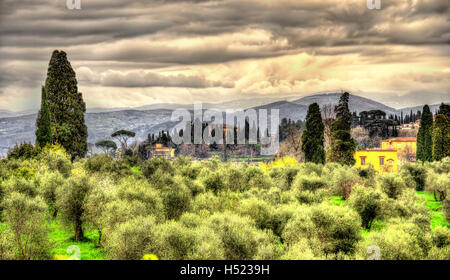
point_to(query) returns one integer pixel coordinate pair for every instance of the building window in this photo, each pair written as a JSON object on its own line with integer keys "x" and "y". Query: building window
{"x": 363, "y": 160}
{"x": 381, "y": 160}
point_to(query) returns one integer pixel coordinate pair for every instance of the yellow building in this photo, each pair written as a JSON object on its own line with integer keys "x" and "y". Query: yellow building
{"x": 381, "y": 159}
{"x": 406, "y": 147}
{"x": 160, "y": 151}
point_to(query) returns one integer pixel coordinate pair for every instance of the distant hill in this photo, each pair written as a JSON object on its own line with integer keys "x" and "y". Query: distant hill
{"x": 17, "y": 127}
{"x": 356, "y": 103}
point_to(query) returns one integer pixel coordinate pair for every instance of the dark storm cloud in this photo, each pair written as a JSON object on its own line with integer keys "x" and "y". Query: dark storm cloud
{"x": 142, "y": 79}
{"x": 123, "y": 36}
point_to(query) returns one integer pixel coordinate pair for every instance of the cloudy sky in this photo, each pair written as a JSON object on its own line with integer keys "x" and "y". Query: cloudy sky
{"x": 132, "y": 53}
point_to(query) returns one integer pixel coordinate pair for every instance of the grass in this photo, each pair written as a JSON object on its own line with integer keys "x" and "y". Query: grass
{"x": 437, "y": 217}
{"x": 62, "y": 239}
{"x": 337, "y": 200}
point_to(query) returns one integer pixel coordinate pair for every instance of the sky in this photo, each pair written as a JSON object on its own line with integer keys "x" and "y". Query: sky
{"x": 139, "y": 52}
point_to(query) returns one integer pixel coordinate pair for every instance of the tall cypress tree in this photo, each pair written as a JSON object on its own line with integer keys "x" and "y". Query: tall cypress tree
{"x": 43, "y": 123}
{"x": 313, "y": 137}
{"x": 342, "y": 144}
{"x": 66, "y": 106}
{"x": 424, "y": 136}
{"x": 441, "y": 133}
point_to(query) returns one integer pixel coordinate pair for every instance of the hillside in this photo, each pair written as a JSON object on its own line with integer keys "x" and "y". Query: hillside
{"x": 17, "y": 128}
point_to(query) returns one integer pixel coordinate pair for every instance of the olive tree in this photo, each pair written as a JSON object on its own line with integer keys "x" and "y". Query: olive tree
{"x": 70, "y": 201}
{"x": 26, "y": 219}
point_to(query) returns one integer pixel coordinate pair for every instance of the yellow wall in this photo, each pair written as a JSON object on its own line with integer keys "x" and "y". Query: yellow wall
{"x": 372, "y": 157}
{"x": 399, "y": 145}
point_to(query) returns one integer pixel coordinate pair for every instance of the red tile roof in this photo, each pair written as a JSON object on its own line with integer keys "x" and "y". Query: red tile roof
{"x": 401, "y": 139}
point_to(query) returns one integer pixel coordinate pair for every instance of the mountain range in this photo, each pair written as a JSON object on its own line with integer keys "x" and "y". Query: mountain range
{"x": 20, "y": 126}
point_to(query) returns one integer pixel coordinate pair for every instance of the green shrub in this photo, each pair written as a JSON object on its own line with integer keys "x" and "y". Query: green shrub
{"x": 214, "y": 181}
{"x": 284, "y": 176}
{"x": 119, "y": 211}
{"x": 258, "y": 210}
{"x": 369, "y": 203}
{"x": 300, "y": 250}
{"x": 310, "y": 168}
{"x": 23, "y": 151}
{"x": 70, "y": 199}
{"x": 342, "y": 179}
{"x": 310, "y": 183}
{"x": 401, "y": 241}
{"x": 406, "y": 205}
{"x": 57, "y": 159}
{"x": 48, "y": 183}
{"x": 174, "y": 241}
{"x": 210, "y": 245}
{"x": 132, "y": 189}
{"x": 368, "y": 175}
{"x": 20, "y": 185}
{"x": 132, "y": 239}
{"x": 255, "y": 177}
{"x": 309, "y": 197}
{"x": 418, "y": 173}
{"x": 337, "y": 227}
{"x": 25, "y": 217}
{"x": 391, "y": 184}
{"x": 176, "y": 199}
{"x": 149, "y": 167}
{"x": 441, "y": 236}
{"x": 100, "y": 163}
{"x": 99, "y": 196}
{"x": 234, "y": 178}
{"x": 446, "y": 208}
{"x": 191, "y": 220}
{"x": 439, "y": 185}
{"x": 239, "y": 237}
{"x": 281, "y": 217}
{"x": 207, "y": 202}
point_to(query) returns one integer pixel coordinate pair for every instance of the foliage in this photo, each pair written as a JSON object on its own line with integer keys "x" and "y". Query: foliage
{"x": 337, "y": 228}
{"x": 132, "y": 239}
{"x": 424, "y": 136}
{"x": 313, "y": 136}
{"x": 342, "y": 144}
{"x": 369, "y": 203}
{"x": 402, "y": 241}
{"x": 417, "y": 172}
{"x": 107, "y": 146}
{"x": 438, "y": 184}
{"x": 343, "y": 179}
{"x": 23, "y": 151}
{"x": 441, "y": 137}
{"x": 66, "y": 106}
{"x": 44, "y": 134}
{"x": 26, "y": 219}
{"x": 70, "y": 200}
{"x": 391, "y": 184}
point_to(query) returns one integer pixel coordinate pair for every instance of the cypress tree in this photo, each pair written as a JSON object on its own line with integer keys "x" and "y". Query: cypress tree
{"x": 441, "y": 137}
{"x": 313, "y": 136}
{"x": 343, "y": 146}
{"x": 66, "y": 106}
{"x": 43, "y": 123}
{"x": 424, "y": 136}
